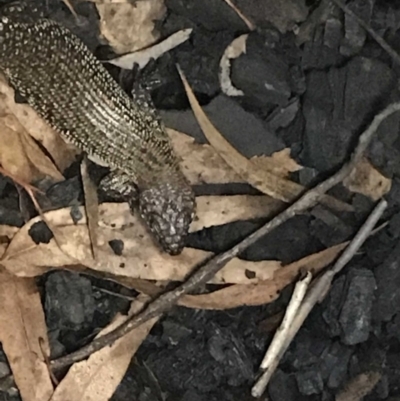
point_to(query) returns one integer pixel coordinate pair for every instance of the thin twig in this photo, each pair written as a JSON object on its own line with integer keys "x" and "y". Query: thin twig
{"x": 318, "y": 292}
{"x": 205, "y": 272}
{"x": 271, "y": 358}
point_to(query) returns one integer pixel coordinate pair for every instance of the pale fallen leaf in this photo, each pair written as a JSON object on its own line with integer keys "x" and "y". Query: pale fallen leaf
{"x": 280, "y": 163}
{"x": 359, "y": 387}
{"x": 233, "y": 208}
{"x": 234, "y": 50}
{"x": 201, "y": 164}
{"x": 265, "y": 181}
{"x": 91, "y": 206}
{"x": 20, "y": 155}
{"x": 62, "y": 154}
{"x": 22, "y": 323}
{"x": 140, "y": 258}
{"x": 264, "y": 291}
{"x": 366, "y": 180}
{"x": 142, "y": 57}
{"x": 96, "y": 378}
{"x": 130, "y": 26}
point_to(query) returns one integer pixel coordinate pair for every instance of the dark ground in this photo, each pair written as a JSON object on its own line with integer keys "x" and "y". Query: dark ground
{"x": 314, "y": 97}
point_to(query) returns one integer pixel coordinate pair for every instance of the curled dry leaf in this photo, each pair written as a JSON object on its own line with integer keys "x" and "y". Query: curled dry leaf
{"x": 359, "y": 387}
{"x": 62, "y": 154}
{"x": 265, "y": 181}
{"x": 20, "y": 155}
{"x": 234, "y": 50}
{"x": 130, "y": 26}
{"x": 140, "y": 258}
{"x": 96, "y": 378}
{"x": 366, "y": 180}
{"x": 22, "y": 324}
{"x": 264, "y": 291}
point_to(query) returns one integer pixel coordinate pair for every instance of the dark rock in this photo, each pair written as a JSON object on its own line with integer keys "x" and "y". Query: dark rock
{"x": 387, "y": 295}
{"x": 332, "y": 306}
{"x": 69, "y": 301}
{"x": 40, "y": 233}
{"x": 328, "y": 227}
{"x": 283, "y": 387}
{"x": 263, "y": 74}
{"x": 10, "y": 217}
{"x": 355, "y": 35}
{"x": 355, "y": 317}
{"x": 211, "y": 14}
{"x": 336, "y": 106}
{"x": 245, "y": 132}
{"x": 309, "y": 382}
{"x": 65, "y": 193}
{"x": 117, "y": 246}
{"x": 334, "y": 364}
{"x": 174, "y": 332}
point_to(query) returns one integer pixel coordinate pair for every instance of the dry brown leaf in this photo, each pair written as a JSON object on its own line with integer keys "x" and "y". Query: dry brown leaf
{"x": 280, "y": 163}
{"x": 21, "y": 156}
{"x": 96, "y": 378}
{"x": 359, "y": 387}
{"x": 201, "y": 163}
{"x": 22, "y": 323}
{"x": 265, "y": 181}
{"x": 366, "y": 180}
{"x": 262, "y": 292}
{"x": 62, "y": 154}
{"x": 91, "y": 206}
{"x": 128, "y": 27}
{"x": 233, "y": 208}
{"x": 141, "y": 258}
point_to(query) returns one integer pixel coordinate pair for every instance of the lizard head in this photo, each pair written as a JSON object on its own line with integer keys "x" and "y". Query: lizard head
{"x": 168, "y": 211}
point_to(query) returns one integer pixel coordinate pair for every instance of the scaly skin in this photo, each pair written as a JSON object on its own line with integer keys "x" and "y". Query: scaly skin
{"x": 72, "y": 91}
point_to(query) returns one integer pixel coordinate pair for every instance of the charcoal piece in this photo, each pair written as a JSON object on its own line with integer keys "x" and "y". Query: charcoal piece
{"x": 283, "y": 14}
{"x": 309, "y": 381}
{"x": 328, "y": 227}
{"x": 228, "y": 350}
{"x": 332, "y": 306}
{"x": 10, "y": 217}
{"x": 263, "y": 74}
{"x": 355, "y": 35}
{"x": 40, "y": 233}
{"x": 69, "y": 301}
{"x": 287, "y": 243}
{"x": 282, "y": 117}
{"x": 283, "y": 387}
{"x": 355, "y": 316}
{"x": 213, "y": 15}
{"x": 384, "y": 151}
{"x": 245, "y": 132}
{"x": 387, "y": 295}
{"x": 306, "y": 350}
{"x": 393, "y": 228}
{"x": 320, "y": 52}
{"x": 199, "y": 59}
{"x": 334, "y": 364}
{"x": 65, "y": 193}
{"x": 117, "y": 246}
{"x": 174, "y": 332}
{"x": 332, "y": 126}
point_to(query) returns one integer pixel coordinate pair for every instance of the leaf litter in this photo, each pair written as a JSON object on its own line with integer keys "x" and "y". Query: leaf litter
{"x": 22, "y": 333}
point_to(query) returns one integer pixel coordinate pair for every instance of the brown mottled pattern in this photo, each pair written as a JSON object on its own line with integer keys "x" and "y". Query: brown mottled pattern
{"x": 70, "y": 89}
